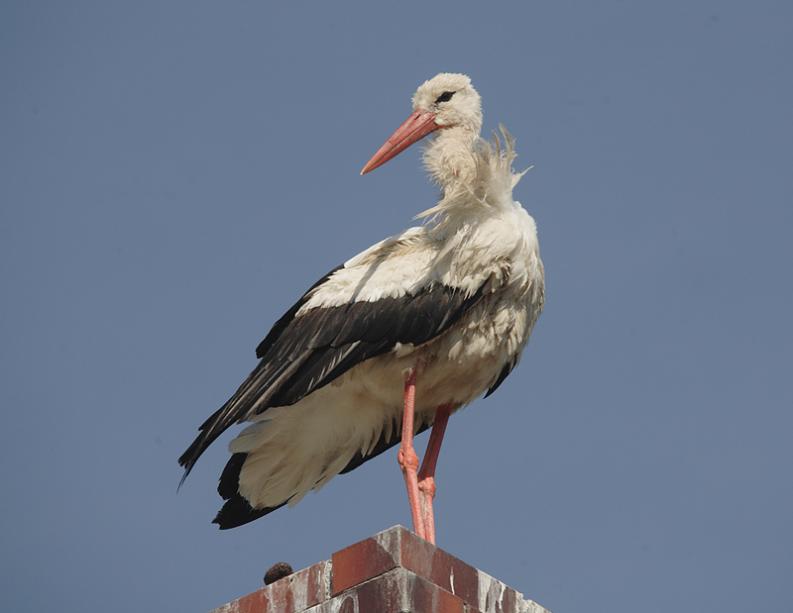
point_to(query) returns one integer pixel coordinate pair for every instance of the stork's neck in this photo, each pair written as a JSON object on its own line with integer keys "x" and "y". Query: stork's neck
{"x": 450, "y": 158}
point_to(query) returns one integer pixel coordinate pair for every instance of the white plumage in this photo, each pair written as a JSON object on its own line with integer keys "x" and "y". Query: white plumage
{"x": 453, "y": 300}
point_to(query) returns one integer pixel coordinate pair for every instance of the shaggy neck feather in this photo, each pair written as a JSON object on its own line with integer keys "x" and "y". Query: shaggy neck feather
{"x": 450, "y": 158}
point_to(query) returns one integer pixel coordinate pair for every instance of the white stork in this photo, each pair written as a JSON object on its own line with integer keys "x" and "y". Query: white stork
{"x": 397, "y": 338}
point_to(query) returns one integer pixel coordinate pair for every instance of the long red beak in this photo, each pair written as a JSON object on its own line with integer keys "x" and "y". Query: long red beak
{"x": 415, "y": 127}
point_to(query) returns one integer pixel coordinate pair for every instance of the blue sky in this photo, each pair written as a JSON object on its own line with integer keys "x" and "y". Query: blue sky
{"x": 175, "y": 174}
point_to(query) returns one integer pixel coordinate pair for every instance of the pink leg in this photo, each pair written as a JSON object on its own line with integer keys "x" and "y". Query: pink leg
{"x": 426, "y": 475}
{"x": 408, "y": 460}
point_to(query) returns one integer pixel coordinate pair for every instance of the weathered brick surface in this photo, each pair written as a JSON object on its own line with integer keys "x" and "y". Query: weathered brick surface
{"x": 397, "y": 590}
{"x": 293, "y": 594}
{"x": 441, "y": 568}
{"x": 359, "y": 562}
{"x": 393, "y": 571}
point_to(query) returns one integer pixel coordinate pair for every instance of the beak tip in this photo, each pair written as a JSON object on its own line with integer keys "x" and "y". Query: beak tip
{"x": 414, "y": 128}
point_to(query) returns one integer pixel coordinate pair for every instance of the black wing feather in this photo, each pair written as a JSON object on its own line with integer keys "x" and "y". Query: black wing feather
{"x": 287, "y": 318}
{"x": 502, "y": 375}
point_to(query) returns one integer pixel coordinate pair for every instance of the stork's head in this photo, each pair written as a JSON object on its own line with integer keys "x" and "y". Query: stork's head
{"x": 448, "y": 100}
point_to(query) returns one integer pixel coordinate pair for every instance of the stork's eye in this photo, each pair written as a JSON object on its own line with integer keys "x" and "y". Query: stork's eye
{"x": 444, "y": 97}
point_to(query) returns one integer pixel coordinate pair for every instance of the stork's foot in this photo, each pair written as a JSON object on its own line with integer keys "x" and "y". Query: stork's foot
{"x": 427, "y": 489}
{"x": 426, "y": 476}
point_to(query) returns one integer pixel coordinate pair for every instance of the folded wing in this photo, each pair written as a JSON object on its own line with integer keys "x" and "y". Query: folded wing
{"x": 310, "y": 347}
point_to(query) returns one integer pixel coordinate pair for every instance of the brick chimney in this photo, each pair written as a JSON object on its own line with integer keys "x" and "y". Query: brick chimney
{"x": 391, "y": 572}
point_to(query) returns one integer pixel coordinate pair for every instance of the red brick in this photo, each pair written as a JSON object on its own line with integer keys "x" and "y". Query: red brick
{"x": 359, "y": 562}
{"x": 381, "y": 594}
{"x": 252, "y": 603}
{"x": 399, "y": 590}
{"x": 298, "y": 591}
{"x": 426, "y": 596}
{"x": 318, "y": 588}
{"x": 441, "y": 568}
{"x": 292, "y": 594}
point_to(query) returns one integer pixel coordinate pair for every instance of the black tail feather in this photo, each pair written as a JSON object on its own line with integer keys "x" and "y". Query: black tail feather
{"x": 236, "y": 511}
